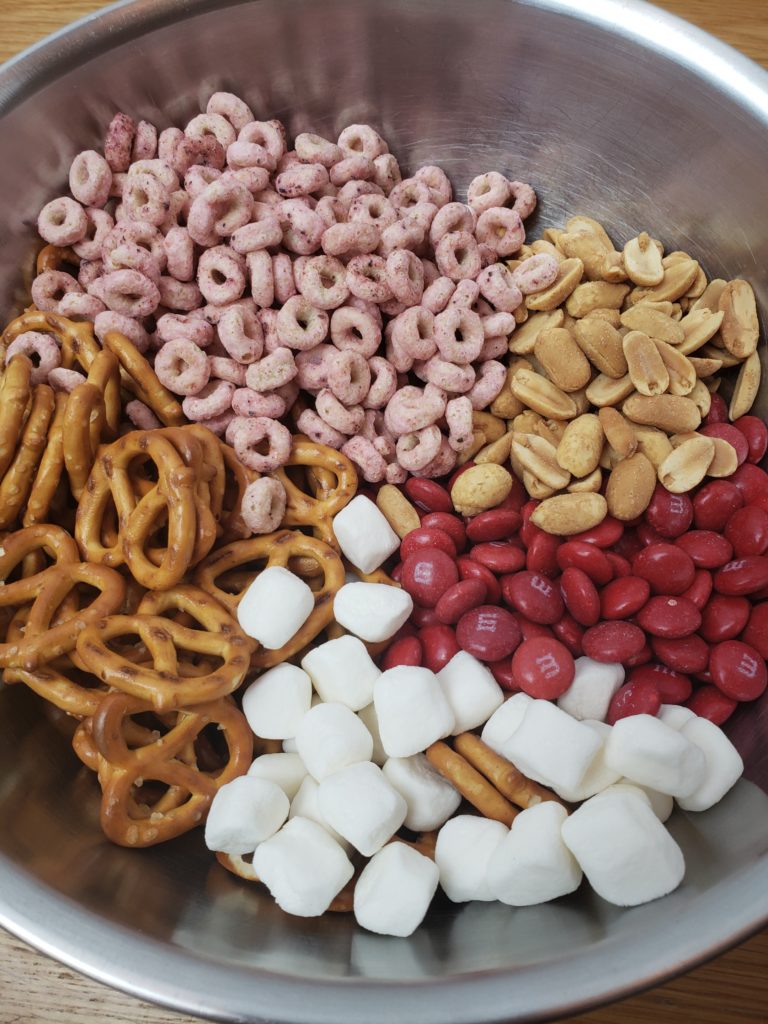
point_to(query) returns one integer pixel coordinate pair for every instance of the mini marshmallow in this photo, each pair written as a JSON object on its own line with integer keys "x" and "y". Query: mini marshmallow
{"x": 342, "y": 671}
{"x": 372, "y": 611}
{"x": 599, "y": 776}
{"x": 330, "y": 737}
{"x": 412, "y": 710}
{"x": 362, "y": 806}
{"x": 306, "y": 805}
{"x": 551, "y": 747}
{"x": 394, "y": 890}
{"x": 647, "y": 751}
{"x": 505, "y": 721}
{"x": 431, "y": 799}
{"x": 369, "y": 719}
{"x": 364, "y": 535}
{"x": 275, "y": 607}
{"x": 626, "y": 853}
{"x": 532, "y": 864}
{"x": 724, "y": 765}
{"x": 244, "y": 813}
{"x": 288, "y": 771}
{"x": 674, "y": 715}
{"x": 303, "y": 867}
{"x": 277, "y": 701}
{"x": 589, "y": 695}
{"x": 661, "y": 804}
{"x": 465, "y": 845}
{"x": 471, "y": 691}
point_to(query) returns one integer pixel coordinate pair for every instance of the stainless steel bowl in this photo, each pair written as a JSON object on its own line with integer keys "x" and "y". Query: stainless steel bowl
{"x": 612, "y": 108}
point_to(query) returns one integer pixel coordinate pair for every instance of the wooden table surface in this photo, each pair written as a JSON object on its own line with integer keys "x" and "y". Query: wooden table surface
{"x": 731, "y": 990}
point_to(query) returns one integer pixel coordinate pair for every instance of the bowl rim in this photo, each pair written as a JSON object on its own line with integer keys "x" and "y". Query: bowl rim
{"x": 187, "y": 982}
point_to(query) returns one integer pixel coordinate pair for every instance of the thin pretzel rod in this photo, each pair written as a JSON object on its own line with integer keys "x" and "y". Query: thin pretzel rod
{"x": 471, "y": 784}
{"x": 505, "y": 777}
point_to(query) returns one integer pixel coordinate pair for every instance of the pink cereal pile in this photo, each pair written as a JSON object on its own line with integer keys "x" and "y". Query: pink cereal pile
{"x": 317, "y": 281}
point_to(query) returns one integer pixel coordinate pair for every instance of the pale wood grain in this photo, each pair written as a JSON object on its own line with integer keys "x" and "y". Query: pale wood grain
{"x": 731, "y": 990}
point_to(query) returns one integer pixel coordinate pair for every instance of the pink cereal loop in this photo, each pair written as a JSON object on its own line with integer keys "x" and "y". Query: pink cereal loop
{"x": 272, "y": 371}
{"x": 130, "y": 293}
{"x": 372, "y": 209}
{"x": 179, "y": 295}
{"x": 223, "y": 368}
{"x": 132, "y": 257}
{"x": 386, "y": 172}
{"x": 395, "y": 474}
{"x": 449, "y": 376}
{"x": 211, "y": 124}
{"x": 491, "y": 378}
{"x": 415, "y": 451}
{"x": 313, "y": 367}
{"x": 300, "y": 325}
{"x": 536, "y": 273}
{"x": 494, "y": 348}
{"x": 414, "y": 332}
{"x": 301, "y": 180}
{"x": 64, "y": 380}
{"x": 139, "y": 233}
{"x": 323, "y": 282}
{"x": 314, "y": 149}
{"x": 458, "y": 416}
{"x": 397, "y": 356}
{"x": 100, "y": 223}
{"x": 405, "y": 276}
{"x": 331, "y": 211}
{"x": 182, "y": 367}
{"x": 487, "y": 190}
{"x": 302, "y": 227}
{"x": 255, "y": 179}
{"x": 89, "y": 271}
{"x": 487, "y": 255}
{"x": 451, "y": 217}
{"x": 352, "y": 238}
{"x": 248, "y": 403}
{"x": 372, "y": 465}
{"x": 341, "y": 417}
{"x": 355, "y": 329}
{"x": 232, "y": 204}
{"x": 213, "y": 400}
{"x": 198, "y": 178}
{"x": 145, "y": 142}
{"x": 373, "y": 311}
{"x": 141, "y": 416}
{"x": 248, "y": 436}
{"x": 62, "y": 222}
{"x": 431, "y": 273}
{"x": 118, "y": 143}
{"x": 403, "y": 234}
{"x": 167, "y": 141}
{"x": 495, "y": 324}
{"x": 80, "y": 307}
{"x": 180, "y": 254}
{"x": 361, "y": 140}
{"x": 383, "y": 383}
{"x": 263, "y": 505}
{"x": 50, "y": 287}
{"x": 268, "y": 320}
{"x": 318, "y": 430}
{"x": 435, "y": 178}
{"x": 244, "y": 155}
{"x": 525, "y": 198}
{"x": 107, "y": 322}
{"x": 498, "y": 286}
{"x": 349, "y": 377}
{"x": 500, "y": 229}
{"x": 408, "y": 193}
{"x": 284, "y": 278}
{"x": 262, "y": 232}
{"x": 438, "y": 294}
{"x": 43, "y": 351}
{"x": 367, "y": 278}
{"x": 227, "y": 105}
{"x": 456, "y": 255}
{"x": 261, "y": 277}
{"x": 269, "y": 134}
{"x": 179, "y": 325}
{"x": 221, "y": 275}
{"x": 90, "y": 178}
{"x": 352, "y": 190}
{"x": 352, "y": 168}
{"x": 241, "y": 334}
{"x": 442, "y": 463}
{"x": 459, "y": 335}
{"x": 466, "y": 294}
{"x": 145, "y": 198}
{"x": 218, "y": 424}
{"x": 411, "y": 409}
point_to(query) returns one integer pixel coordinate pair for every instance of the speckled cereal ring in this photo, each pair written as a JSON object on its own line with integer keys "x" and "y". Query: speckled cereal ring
{"x": 268, "y": 320}
{"x": 495, "y": 324}
{"x": 218, "y": 425}
{"x": 403, "y": 234}
{"x": 491, "y": 377}
{"x": 269, "y": 134}
{"x": 361, "y": 140}
{"x": 145, "y": 143}
{"x": 435, "y": 178}
{"x": 349, "y": 377}
{"x": 465, "y": 295}
{"x": 367, "y": 278}
{"x": 313, "y": 367}
{"x": 139, "y": 233}
{"x": 249, "y": 403}
{"x": 232, "y": 203}
{"x": 501, "y": 230}
{"x": 314, "y": 149}
{"x": 261, "y": 277}
{"x": 50, "y": 287}
{"x": 458, "y": 416}
{"x": 525, "y": 198}
{"x": 100, "y": 223}
{"x": 302, "y": 227}
{"x": 130, "y": 293}
{"x": 405, "y": 276}
{"x": 386, "y": 172}
{"x": 89, "y": 271}
{"x": 442, "y": 463}
{"x": 42, "y": 349}
{"x": 76, "y": 306}
{"x": 272, "y": 371}
{"x": 118, "y": 142}
{"x": 244, "y": 155}
{"x": 180, "y": 254}
{"x": 331, "y": 210}
{"x": 456, "y": 255}
{"x": 383, "y": 383}
{"x": 167, "y": 141}
{"x": 355, "y": 329}
{"x": 107, "y": 321}
{"x": 408, "y": 193}
{"x": 347, "y": 420}
{"x": 413, "y": 332}
{"x": 180, "y": 325}
{"x": 132, "y": 257}
{"x": 211, "y": 124}
{"x": 222, "y": 368}
{"x": 498, "y": 286}
{"x": 487, "y": 190}
{"x": 373, "y": 311}
{"x": 198, "y": 178}
{"x": 372, "y": 209}
{"x": 146, "y": 199}
{"x": 141, "y": 416}
{"x": 438, "y": 294}
{"x": 415, "y": 450}
{"x": 323, "y": 282}
{"x": 351, "y": 168}
{"x": 241, "y": 334}
{"x": 318, "y": 430}
{"x": 393, "y": 352}
{"x": 395, "y": 474}
{"x": 182, "y": 367}
{"x": 255, "y": 179}
{"x": 301, "y": 180}
{"x": 487, "y": 255}
{"x": 262, "y": 232}
{"x": 61, "y": 379}
{"x": 263, "y": 505}
{"x": 371, "y": 464}
{"x": 227, "y": 105}
{"x": 494, "y": 348}
{"x": 90, "y": 178}
{"x": 300, "y": 325}
{"x": 283, "y": 277}
{"x": 448, "y": 376}
{"x": 352, "y": 238}
{"x": 180, "y": 296}
{"x": 459, "y": 335}
{"x": 214, "y": 399}
{"x": 536, "y": 273}
{"x": 411, "y": 409}
{"x": 221, "y": 275}
{"x": 248, "y": 436}
{"x": 450, "y": 218}
{"x": 62, "y": 222}
{"x": 352, "y": 190}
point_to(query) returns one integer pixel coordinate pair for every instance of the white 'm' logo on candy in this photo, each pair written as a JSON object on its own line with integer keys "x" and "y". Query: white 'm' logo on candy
{"x": 542, "y": 585}
{"x": 548, "y": 665}
{"x": 748, "y": 666}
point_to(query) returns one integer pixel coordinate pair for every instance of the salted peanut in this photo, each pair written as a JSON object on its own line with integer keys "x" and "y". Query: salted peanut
{"x": 539, "y": 457}
{"x": 536, "y": 488}
{"x": 699, "y": 326}
{"x": 646, "y": 367}
{"x": 562, "y": 359}
{"x": 541, "y": 245}
{"x": 523, "y": 341}
{"x": 746, "y": 387}
{"x": 480, "y": 488}
{"x": 679, "y": 275}
{"x": 505, "y": 405}
{"x": 580, "y": 223}
{"x": 602, "y": 345}
{"x": 698, "y": 287}
{"x": 587, "y": 484}
{"x": 682, "y": 375}
{"x": 492, "y": 426}
{"x": 556, "y": 428}
{"x": 642, "y": 261}
{"x": 702, "y": 397}
{"x": 653, "y": 443}
{"x": 542, "y": 395}
{"x": 521, "y": 314}
{"x": 653, "y": 323}
{"x": 669, "y": 412}
{"x": 397, "y": 510}
{"x": 630, "y": 487}
{"x": 687, "y": 465}
{"x": 611, "y": 316}
{"x": 713, "y": 384}
{"x": 581, "y": 445}
{"x": 705, "y": 367}
{"x": 740, "y": 329}
{"x": 671, "y": 309}
{"x": 552, "y": 234}
{"x": 710, "y": 297}
{"x": 479, "y": 440}
{"x": 527, "y": 422}
{"x": 711, "y": 351}
{"x": 606, "y": 390}
{"x": 498, "y": 451}
{"x": 595, "y": 295}
{"x": 582, "y": 402}
{"x": 566, "y": 514}
{"x": 571, "y": 272}
{"x": 600, "y": 263}
{"x": 619, "y": 432}
{"x": 725, "y": 461}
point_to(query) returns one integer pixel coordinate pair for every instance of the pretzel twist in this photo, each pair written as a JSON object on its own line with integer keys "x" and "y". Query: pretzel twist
{"x": 55, "y": 257}
{"x": 303, "y": 509}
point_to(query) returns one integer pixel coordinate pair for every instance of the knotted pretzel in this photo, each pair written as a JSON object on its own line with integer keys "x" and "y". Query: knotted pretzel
{"x": 317, "y": 509}
{"x": 55, "y": 257}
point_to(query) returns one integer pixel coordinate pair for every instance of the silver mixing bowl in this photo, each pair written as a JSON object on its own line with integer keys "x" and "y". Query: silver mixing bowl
{"x": 611, "y": 108}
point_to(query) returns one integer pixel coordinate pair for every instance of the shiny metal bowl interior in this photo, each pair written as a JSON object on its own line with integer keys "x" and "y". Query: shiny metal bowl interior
{"x": 609, "y": 108}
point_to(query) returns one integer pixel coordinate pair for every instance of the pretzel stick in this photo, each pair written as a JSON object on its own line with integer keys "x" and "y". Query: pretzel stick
{"x": 505, "y": 777}
{"x": 471, "y": 784}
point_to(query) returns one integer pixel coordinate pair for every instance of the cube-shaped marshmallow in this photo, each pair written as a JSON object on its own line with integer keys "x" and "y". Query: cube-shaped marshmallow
{"x": 244, "y": 813}
{"x": 505, "y": 721}
{"x": 724, "y": 766}
{"x": 431, "y": 799}
{"x": 362, "y": 806}
{"x": 276, "y": 702}
{"x": 372, "y": 611}
{"x": 287, "y": 770}
{"x": 647, "y": 751}
{"x": 589, "y": 695}
{"x": 364, "y": 535}
{"x": 599, "y": 776}
{"x": 661, "y": 804}
{"x": 307, "y": 805}
{"x": 368, "y": 717}
{"x": 330, "y": 737}
{"x": 412, "y": 710}
{"x": 342, "y": 671}
{"x": 275, "y": 607}
{"x": 675, "y": 715}
{"x": 471, "y": 691}
{"x": 465, "y": 845}
{"x": 394, "y": 890}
